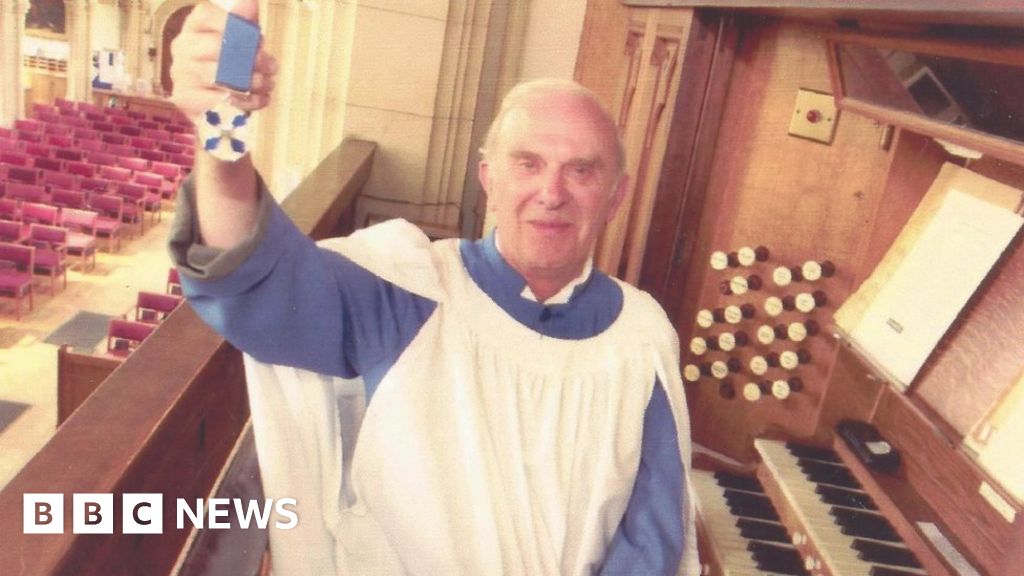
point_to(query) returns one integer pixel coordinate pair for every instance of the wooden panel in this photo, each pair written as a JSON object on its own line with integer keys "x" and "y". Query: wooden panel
{"x": 78, "y": 375}
{"x": 802, "y": 199}
{"x": 949, "y": 483}
{"x": 675, "y": 225}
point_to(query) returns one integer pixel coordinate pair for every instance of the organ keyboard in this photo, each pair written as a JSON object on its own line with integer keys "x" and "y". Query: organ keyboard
{"x": 804, "y": 513}
{"x": 742, "y": 527}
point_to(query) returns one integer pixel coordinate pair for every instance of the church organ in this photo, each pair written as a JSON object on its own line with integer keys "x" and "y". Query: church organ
{"x": 822, "y": 217}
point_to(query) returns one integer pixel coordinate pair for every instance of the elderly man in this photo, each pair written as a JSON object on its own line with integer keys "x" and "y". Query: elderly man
{"x": 524, "y": 412}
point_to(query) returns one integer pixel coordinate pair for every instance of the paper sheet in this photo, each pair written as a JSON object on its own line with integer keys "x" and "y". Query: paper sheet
{"x": 926, "y": 293}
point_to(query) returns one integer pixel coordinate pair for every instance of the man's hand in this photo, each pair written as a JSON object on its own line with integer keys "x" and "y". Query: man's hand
{"x": 195, "y": 53}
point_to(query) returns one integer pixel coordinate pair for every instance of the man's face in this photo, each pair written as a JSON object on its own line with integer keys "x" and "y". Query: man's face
{"x": 553, "y": 183}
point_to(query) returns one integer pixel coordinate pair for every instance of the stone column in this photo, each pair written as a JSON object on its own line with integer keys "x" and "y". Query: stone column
{"x": 133, "y": 22}
{"x": 12, "y": 97}
{"x": 79, "y": 33}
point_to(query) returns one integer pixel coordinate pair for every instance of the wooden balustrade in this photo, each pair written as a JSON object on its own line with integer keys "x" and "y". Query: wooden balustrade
{"x": 165, "y": 421}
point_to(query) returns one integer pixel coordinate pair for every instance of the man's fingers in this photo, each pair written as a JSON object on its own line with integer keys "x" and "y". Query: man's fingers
{"x": 248, "y": 9}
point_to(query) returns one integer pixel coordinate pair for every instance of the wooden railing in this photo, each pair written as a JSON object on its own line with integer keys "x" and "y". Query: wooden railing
{"x": 164, "y": 422}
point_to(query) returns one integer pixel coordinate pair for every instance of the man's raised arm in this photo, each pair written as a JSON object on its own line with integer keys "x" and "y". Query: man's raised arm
{"x": 225, "y": 192}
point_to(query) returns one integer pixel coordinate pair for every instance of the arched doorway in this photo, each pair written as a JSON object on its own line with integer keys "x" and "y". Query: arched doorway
{"x": 171, "y": 30}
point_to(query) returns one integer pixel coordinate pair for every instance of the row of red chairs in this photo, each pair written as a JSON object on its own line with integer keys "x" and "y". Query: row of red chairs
{"x": 67, "y": 106}
{"x": 124, "y": 335}
{"x": 102, "y": 217}
{"x": 39, "y": 129}
{"x": 159, "y": 178}
{"x": 137, "y": 200}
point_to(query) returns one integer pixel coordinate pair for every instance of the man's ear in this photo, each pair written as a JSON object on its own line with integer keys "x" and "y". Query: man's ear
{"x": 483, "y": 174}
{"x": 618, "y": 195}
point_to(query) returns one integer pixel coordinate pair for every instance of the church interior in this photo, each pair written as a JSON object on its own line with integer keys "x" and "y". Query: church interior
{"x": 826, "y": 199}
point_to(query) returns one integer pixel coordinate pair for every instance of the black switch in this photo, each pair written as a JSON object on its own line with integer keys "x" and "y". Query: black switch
{"x": 864, "y": 524}
{"x": 812, "y": 452}
{"x": 776, "y": 559}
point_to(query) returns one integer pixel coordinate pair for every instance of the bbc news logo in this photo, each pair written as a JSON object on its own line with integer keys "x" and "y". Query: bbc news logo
{"x": 143, "y": 513}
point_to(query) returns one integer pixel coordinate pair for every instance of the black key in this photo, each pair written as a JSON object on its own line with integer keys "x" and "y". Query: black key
{"x": 757, "y": 530}
{"x": 750, "y": 505}
{"x": 884, "y": 554}
{"x": 737, "y": 482}
{"x": 813, "y": 452}
{"x": 822, "y": 473}
{"x": 842, "y": 497}
{"x": 771, "y": 558}
{"x": 864, "y": 524}
{"x": 883, "y": 571}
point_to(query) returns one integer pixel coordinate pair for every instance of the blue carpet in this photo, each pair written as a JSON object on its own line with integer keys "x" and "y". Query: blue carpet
{"x": 9, "y": 411}
{"x": 83, "y": 331}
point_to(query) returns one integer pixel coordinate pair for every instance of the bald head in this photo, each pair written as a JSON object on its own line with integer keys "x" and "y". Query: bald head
{"x": 535, "y": 93}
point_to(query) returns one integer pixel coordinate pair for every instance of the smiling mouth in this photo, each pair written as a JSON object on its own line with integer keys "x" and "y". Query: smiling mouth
{"x": 550, "y": 226}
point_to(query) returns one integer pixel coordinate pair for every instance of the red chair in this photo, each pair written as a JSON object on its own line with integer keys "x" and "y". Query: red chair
{"x": 97, "y": 185}
{"x": 143, "y": 143}
{"x": 96, "y": 117}
{"x": 12, "y": 232}
{"x": 50, "y": 243}
{"x": 173, "y": 282}
{"x": 69, "y": 154}
{"x": 152, "y": 155}
{"x": 86, "y": 134}
{"x": 108, "y": 223}
{"x": 64, "y": 180}
{"x": 63, "y": 104}
{"x": 89, "y": 107}
{"x": 38, "y": 149}
{"x": 129, "y": 130}
{"x": 23, "y": 174}
{"x": 36, "y": 213}
{"x": 134, "y": 164}
{"x": 89, "y": 145}
{"x": 124, "y": 336}
{"x": 9, "y": 210}
{"x": 115, "y": 174}
{"x": 68, "y": 199}
{"x": 81, "y": 169}
{"x": 183, "y": 138}
{"x": 16, "y": 264}
{"x": 55, "y": 128}
{"x": 183, "y": 160}
{"x": 26, "y": 193}
{"x": 61, "y": 140}
{"x": 48, "y": 164}
{"x": 152, "y": 308}
{"x": 53, "y": 118}
{"x": 114, "y": 138}
{"x": 137, "y": 201}
{"x": 121, "y": 149}
{"x": 11, "y": 145}
{"x": 155, "y": 181}
{"x": 102, "y": 159}
{"x": 81, "y": 227}
{"x": 148, "y": 125}
{"x": 102, "y": 127}
{"x": 29, "y": 135}
{"x": 28, "y": 125}
{"x": 15, "y": 158}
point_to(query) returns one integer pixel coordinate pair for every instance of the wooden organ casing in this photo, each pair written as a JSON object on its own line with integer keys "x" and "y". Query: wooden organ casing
{"x": 733, "y": 176}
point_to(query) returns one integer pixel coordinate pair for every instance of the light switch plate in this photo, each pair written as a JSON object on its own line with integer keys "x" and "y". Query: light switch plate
{"x": 814, "y": 116}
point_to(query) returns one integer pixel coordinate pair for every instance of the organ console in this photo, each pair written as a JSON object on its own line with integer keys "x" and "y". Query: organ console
{"x": 829, "y": 216}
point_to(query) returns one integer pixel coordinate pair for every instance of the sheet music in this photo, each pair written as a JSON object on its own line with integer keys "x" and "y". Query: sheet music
{"x": 950, "y": 258}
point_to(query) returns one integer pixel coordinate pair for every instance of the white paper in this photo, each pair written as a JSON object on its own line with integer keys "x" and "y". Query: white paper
{"x": 932, "y": 284}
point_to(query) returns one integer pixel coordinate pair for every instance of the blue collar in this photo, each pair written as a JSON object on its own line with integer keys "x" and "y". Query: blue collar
{"x": 591, "y": 309}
